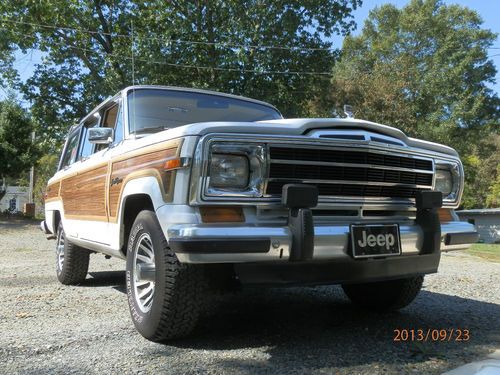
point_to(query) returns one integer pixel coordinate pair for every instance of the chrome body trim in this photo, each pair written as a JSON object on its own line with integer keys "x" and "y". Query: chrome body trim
{"x": 350, "y": 134}
{"x": 335, "y": 164}
{"x": 330, "y": 241}
{"x": 350, "y": 182}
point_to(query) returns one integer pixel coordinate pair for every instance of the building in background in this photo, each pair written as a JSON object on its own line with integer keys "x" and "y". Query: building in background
{"x": 487, "y": 222}
{"x": 14, "y": 199}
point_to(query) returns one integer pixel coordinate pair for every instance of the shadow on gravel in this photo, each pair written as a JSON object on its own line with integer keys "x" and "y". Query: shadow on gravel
{"x": 114, "y": 279}
{"x": 18, "y": 223}
{"x": 316, "y": 328}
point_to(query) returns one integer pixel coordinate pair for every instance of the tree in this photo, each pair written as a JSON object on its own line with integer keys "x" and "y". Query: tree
{"x": 493, "y": 198}
{"x": 17, "y": 150}
{"x": 46, "y": 167}
{"x": 425, "y": 69}
{"x": 244, "y": 47}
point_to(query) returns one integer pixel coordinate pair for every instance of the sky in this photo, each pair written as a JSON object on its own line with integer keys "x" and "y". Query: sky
{"x": 489, "y": 10}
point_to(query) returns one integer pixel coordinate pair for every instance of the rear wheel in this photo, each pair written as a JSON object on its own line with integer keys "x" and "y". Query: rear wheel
{"x": 72, "y": 262}
{"x": 385, "y": 295}
{"x": 164, "y": 296}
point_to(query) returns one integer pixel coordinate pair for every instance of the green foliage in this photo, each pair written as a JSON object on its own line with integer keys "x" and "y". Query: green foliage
{"x": 46, "y": 167}
{"x": 88, "y": 50}
{"x": 493, "y": 198}
{"x": 486, "y": 251}
{"x": 17, "y": 151}
{"x": 424, "y": 69}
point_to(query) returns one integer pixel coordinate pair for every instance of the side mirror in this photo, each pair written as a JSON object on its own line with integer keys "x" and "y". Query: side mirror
{"x": 101, "y": 136}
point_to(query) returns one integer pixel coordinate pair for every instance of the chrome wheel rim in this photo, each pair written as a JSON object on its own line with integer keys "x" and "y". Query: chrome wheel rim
{"x": 60, "y": 251}
{"x": 144, "y": 258}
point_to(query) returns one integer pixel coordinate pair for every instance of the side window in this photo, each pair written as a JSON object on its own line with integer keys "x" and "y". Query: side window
{"x": 71, "y": 152}
{"x": 87, "y": 148}
{"x": 119, "y": 126}
{"x": 109, "y": 121}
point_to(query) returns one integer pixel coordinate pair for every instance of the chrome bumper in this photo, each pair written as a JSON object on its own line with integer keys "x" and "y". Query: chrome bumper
{"x": 258, "y": 243}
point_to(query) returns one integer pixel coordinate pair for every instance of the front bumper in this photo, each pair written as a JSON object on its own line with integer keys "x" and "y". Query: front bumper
{"x": 205, "y": 243}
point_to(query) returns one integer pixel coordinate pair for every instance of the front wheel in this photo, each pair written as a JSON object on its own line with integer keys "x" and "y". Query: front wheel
{"x": 72, "y": 262}
{"x": 385, "y": 295}
{"x": 164, "y": 296}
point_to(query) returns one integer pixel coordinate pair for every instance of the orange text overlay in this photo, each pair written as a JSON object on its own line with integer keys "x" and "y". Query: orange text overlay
{"x": 432, "y": 334}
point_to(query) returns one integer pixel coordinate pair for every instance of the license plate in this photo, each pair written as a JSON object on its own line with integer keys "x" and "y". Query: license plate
{"x": 370, "y": 241}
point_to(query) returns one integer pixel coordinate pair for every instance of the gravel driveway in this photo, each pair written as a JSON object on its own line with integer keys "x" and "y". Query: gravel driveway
{"x": 46, "y": 327}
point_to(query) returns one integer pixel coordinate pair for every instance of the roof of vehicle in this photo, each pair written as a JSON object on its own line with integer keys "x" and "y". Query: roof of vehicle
{"x": 174, "y": 88}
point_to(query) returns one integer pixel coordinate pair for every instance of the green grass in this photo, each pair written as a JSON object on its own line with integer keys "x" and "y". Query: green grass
{"x": 487, "y": 251}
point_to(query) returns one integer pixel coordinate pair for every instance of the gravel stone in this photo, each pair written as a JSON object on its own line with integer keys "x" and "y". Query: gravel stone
{"x": 46, "y": 327}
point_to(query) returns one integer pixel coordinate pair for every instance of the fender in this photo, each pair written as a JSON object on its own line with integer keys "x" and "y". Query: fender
{"x": 147, "y": 185}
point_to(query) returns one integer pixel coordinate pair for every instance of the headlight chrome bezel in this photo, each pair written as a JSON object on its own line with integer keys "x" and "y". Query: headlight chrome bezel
{"x": 456, "y": 173}
{"x": 257, "y": 166}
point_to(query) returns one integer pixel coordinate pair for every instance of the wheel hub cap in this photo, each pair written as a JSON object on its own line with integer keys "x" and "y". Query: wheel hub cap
{"x": 144, "y": 272}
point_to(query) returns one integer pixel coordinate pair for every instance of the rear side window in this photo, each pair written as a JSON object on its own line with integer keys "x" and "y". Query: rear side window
{"x": 71, "y": 151}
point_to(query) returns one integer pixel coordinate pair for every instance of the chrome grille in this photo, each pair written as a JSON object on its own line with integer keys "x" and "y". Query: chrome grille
{"x": 349, "y": 173}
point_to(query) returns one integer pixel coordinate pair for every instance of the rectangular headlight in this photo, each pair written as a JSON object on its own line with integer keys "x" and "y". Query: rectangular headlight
{"x": 236, "y": 169}
{"x": 448, "y": 180}
{"x": 229, "y": 171}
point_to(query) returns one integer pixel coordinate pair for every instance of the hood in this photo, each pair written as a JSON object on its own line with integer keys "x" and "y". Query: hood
{"x": 300, "y": 127}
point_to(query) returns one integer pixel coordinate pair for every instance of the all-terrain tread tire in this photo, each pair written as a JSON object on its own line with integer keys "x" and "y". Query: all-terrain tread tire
{"x": 178, "y": 290}
{"x": 388, "y": 295}
{"x": 76, "y": 262}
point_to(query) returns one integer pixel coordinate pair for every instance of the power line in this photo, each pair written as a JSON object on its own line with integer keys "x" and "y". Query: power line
{"x": 183, "y": 41}
{"x": 190, "y": 66}
{"x": 180, "y": 41}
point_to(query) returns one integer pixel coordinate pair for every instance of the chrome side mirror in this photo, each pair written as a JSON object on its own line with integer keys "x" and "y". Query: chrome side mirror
{"x": 101, "y": 136}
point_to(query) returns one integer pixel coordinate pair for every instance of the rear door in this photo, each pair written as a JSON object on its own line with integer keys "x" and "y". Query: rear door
{"x": 84, "y": 191}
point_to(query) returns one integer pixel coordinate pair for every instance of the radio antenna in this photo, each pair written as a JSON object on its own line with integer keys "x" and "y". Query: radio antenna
{"x": 132, "y": 125}
{"x": 132, "y": 51}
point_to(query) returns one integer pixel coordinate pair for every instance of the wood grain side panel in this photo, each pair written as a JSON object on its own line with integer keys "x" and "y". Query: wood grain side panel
{"x": 150, "y": 164}
{"x": 52, "y": 192}
{"x": 85, "y": 194}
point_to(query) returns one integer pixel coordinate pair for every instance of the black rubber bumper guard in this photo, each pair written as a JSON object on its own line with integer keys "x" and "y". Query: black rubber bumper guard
{"x": 299, "y": 199}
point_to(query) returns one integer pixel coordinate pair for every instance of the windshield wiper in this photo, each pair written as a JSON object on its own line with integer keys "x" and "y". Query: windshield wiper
{"x": 153, "y": 129}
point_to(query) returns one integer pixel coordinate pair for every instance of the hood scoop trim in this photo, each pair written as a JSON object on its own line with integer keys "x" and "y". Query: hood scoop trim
{"x": 356, "y": 136}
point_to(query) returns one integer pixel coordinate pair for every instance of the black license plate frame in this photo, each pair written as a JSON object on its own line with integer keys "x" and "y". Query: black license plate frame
{"x": 378, "y": 240}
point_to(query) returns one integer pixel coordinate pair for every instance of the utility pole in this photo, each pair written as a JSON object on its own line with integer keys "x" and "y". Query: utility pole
{"x": 32, "y": 175}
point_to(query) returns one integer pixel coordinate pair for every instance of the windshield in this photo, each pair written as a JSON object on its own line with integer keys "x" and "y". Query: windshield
{"x": 152, "y": 110}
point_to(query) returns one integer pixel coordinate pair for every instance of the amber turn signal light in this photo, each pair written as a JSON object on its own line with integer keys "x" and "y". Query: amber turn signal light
{"x": 172, "y": 164}
{"x": 222, "y": 214}
{"x": 445, "y": 214}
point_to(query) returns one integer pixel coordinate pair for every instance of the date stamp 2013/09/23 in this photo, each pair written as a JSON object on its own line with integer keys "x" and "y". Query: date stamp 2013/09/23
{"x": 432, "y": 335}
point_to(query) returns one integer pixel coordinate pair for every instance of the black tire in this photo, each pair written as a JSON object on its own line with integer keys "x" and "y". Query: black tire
{"x": 72, "y": 262}
{"x": 385, "y": 295}
{"x": 173, "y": 307}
